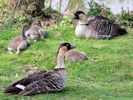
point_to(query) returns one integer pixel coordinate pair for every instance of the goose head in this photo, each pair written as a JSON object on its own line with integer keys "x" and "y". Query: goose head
{"x": 25, "y": 28}
{"x": 79, "y": 15}
{"x": 64, "y": 47}
{"x": 36, "y": 23}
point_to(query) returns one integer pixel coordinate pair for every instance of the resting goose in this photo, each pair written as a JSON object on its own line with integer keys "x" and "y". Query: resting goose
{"x": 96, "y": 27}
{"x": 35, "y": 32}
{"x": 18, "y": 43}
{"x": 43, "y": 81}
{"x": 75, "y": 56}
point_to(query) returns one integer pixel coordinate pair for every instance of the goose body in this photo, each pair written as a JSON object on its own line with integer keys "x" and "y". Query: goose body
{"x": 43, "y": 81}
{"x": 35, "y": 32}
{"x": 17, "y": 44}
{"x": 96, "y": 27}
{"x": 74, "y": 56}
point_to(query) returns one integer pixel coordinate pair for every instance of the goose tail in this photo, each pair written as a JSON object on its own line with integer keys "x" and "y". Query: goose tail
{"x": 122, "y": 31}
{"x": 17, "y": 87}
{"x": 12, "y": 90}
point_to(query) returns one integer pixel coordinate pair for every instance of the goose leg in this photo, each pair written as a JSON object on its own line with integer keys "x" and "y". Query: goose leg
{"x": 41, "y": 34}
{"x": 18, "y": 51}
{"x": 10, "y": 52}
{"x": 42, "y": 37}
{"x": 35, "y": 40}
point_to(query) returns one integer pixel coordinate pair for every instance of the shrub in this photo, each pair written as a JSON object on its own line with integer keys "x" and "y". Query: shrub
{"x": 51, "y": 13}
{"x": 14, "y": 18}
{"x": 100, "y": 10}
{"x": 61, "y": 28}
{"x": 125, "y": 18}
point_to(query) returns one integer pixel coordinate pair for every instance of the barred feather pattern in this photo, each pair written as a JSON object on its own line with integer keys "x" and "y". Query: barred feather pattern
{"x": 44, "y": 81}
{"x": 98, "y": 27}
{"x": 103, "y": 27}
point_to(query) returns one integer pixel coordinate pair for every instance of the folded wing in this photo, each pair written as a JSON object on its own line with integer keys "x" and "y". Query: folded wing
{"x": 52, "y": 83}
{"x": 26, "y": 81}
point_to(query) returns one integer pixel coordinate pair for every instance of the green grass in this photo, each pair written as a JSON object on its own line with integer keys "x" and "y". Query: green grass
{"x": 107, "y": 76}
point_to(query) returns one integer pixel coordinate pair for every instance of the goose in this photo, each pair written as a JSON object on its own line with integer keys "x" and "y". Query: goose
{"x": 75, "y": 56}
{"x": 35, "y": 32}
{"x": 97, "y": 27}
{"x": 43, "y": 81}
{"x": 18, "y": 43}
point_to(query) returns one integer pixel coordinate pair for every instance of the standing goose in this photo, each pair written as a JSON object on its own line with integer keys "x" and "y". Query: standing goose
{"x": 35, "y": 32}
{"x": 18, "y": 43}
{"x": 96, "y": 27}
{"x": 43, "y": 81}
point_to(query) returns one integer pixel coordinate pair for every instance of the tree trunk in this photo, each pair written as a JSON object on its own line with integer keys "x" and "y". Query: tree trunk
{"x": 39, "y": 2}
{"x": 48, "y": 3}
{"x": 74, "y": 5}
{"x": 16, "y": 4}
{"x": 59, "y": 5}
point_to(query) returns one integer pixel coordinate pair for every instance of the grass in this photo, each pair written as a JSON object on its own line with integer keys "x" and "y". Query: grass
{"x": 107, "y": 76}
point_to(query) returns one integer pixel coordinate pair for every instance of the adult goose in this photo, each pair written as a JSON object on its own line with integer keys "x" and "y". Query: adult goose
{"x": 35, "y": 32}
{"x": 18, "y": 43}
{"x": 43, "y": 81}
{"x": 96, "y": 27}
{"x": 75, "y": 56}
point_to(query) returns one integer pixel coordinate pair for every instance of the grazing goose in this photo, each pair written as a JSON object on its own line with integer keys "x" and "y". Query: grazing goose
{"x": 35, "y": 32}
{"x": 96, "y": 27}
{"x": 18, "y": 43}
{"x": 43, "y": 81}
{"x": 74, "y": 56}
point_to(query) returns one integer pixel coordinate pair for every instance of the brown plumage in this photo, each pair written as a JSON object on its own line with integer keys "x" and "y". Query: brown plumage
{"x": 35, "y": 32}
{"x": 74, "y": 56}
{"x": 96, "y": 27}
{"x": 43, "y": 81}
{"x": 18, "y": 43}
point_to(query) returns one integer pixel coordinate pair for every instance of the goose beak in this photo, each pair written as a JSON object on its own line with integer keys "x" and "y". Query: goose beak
{"x": 74, "y": 17}
{"x": 72, "y": 47}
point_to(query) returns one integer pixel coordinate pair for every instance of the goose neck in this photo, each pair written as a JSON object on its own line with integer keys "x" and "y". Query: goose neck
{"x": 60, "y": 61}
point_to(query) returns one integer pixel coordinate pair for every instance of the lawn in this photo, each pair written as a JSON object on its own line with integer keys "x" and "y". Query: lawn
{"x": 108, "y": 75}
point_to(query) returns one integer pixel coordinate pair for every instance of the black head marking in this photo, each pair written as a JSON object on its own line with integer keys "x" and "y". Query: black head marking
{"x": 68, "y": 45}
{"x": 77, "y": 13}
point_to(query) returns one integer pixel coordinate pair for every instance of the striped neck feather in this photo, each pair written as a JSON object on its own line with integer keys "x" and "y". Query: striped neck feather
{"x": 83, "y": 21}
{"x": 60, "y": 60}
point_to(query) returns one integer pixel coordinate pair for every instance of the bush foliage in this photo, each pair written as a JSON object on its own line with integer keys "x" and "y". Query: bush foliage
{"x": 125, "y": 18}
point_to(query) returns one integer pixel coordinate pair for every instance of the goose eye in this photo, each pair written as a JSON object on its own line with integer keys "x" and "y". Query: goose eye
{"x": 67, "y": 45}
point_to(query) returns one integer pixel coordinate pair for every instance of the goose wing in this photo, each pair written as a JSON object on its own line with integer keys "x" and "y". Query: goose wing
{"x": 26, "y": 81}
{"x": 92, "y": 18}
{"x": 102, "y": 26}
{"x": 52, "y": 83}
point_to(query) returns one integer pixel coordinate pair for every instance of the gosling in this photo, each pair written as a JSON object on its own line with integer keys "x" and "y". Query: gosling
{"x": 18, "y": 43}
{"x": 35, "y": 32}
{"x": 75, "y": 56}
